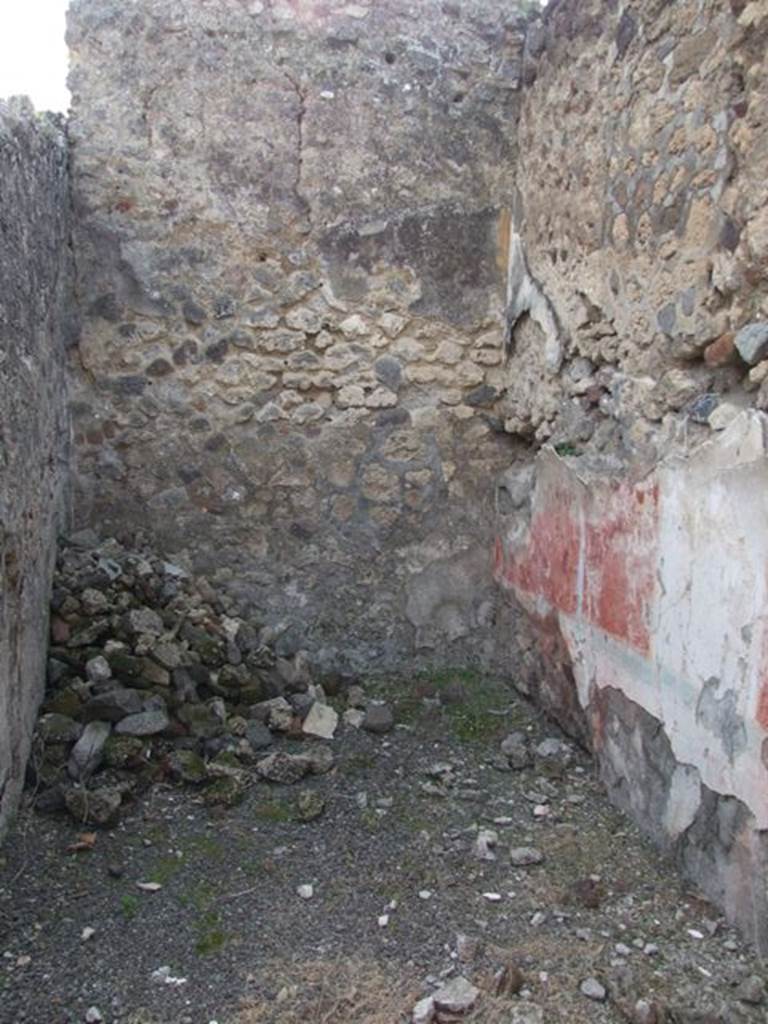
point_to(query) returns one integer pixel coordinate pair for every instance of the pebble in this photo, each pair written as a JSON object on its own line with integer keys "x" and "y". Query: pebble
{"x": 523, "y": 856}
{"x": 751, "y": 991}
{"x": 492, "y": 897}
{"x": 378, "y": 719}
{"x": 306, "y": 891}
{"x": 424, "y": 1011}
{"x": 87, "y": 934}
{"x": 592, "y": 989}
{"x": 457, "y": 996}
{"x": 425, "y": 894}
{"x": 93, "y": 1015}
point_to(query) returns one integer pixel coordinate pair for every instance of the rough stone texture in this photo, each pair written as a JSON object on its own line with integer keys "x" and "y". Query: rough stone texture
{"x": 36, "y": 322}
{"x": 637, "y": 259}
{"x": 292, "y": 259}
{"x": 640, "y": 228}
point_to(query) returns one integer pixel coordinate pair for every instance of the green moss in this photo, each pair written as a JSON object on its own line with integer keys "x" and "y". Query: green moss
{"x": 129, "y": 906}
{"x": 211, "y": 937}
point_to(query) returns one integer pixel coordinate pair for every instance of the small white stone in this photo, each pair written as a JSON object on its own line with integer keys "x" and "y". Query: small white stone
{"x": 93, "y": 1015}
{"x": 456, "y": 996}
{"x": 383, "y": 920}
{"x": 592, "y": 989}
{"x": 306, "y": 891}
{"x": 424, "y": 1011}
{"x": 87, "y": 934}
{"x": 321, "y": 721}
{"x": 492, "y": 897}
{"x": 425, "y": 894}
{"x": 695, "y": 934}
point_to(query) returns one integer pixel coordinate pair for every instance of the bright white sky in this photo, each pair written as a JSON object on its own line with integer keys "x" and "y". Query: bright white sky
{"x": 33, "y": 54}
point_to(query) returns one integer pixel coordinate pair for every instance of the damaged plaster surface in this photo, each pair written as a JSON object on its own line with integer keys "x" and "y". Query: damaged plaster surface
{"x": 657, "y": 589}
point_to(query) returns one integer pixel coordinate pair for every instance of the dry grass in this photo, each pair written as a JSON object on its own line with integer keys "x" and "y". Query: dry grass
{"x": 356, "y": 992}
{"x": 340, "y": 992}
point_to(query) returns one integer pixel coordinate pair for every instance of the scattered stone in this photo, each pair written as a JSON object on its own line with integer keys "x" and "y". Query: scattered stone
{"x": 115, "y": 870}
{"x": 483, "y": 845}
{"x": 53, "y": 728}
{"x": 113, "y": 706}
{"x": 751, "y": 990}
{"x": 515, "y": 749}
{"x": 467, "y": 948}
{"x": 553, "y": 749}
{"x": 456, "y": 996}
{"x": 592, "y": 989}
{"x": 424, "y": 1011}
{"x": 524, "y": 856}
{"x": 225, "y": 792}
{"x": 509, "y": 980}
{"x": 354, "y": 718}
{"x": 94, "y": 806}
{"x": 258, "y": 735}
{"x": 283, "y": 768}
{"x": 93, "y": 1015}
{"x": 752, "y": 342}
{"x": 321, "y": 721}
{"x": 87, "y": 934}
{"x": 88, "y": 752}
{"x": 319, "y": 758}
{"x": 143, "y": 621}
{"x": 356, "y": 698}
{"x": 378, "y": 719}
{"x": 306, "y": 892}
{"x": 123, "y": 751}
{"x": 97, "y": 669}
{"x": 187, "y": 766}
{"x": 145, "y": 723}
{"x": 309, "y": 805}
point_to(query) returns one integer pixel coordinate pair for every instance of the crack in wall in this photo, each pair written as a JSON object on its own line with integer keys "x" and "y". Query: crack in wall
{"x": 301, "y": 96}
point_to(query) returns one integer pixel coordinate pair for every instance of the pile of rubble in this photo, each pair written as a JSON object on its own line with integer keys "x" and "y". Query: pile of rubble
{"x": 152, "y": 677}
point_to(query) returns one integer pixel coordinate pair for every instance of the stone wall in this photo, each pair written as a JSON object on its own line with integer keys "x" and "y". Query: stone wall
{"x": 638, "y": 327}
{"x": 292, "y": 260}
{"x": 36, "y": 322}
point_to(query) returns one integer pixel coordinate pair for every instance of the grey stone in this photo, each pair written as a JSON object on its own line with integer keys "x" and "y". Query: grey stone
{"x": 457, "y": 996}
{"x": 321, "y": 721}
{"x": 283, "y": 768}
{"x": 258, "y": 735}
{"x": 389, "y": 372}
{"x": 751, "y": 990}
{"x": 87, "y": 753}
{"x": 515, "y": 749}
{"x": 593, "y": 989}
{"x": 309, "y": 805}
{"x": 55, "y": 728}
{"x": 113, "y": 705}
{"x": 378, "y": 719}
{"x": 145, "y": 723}
{"x": 187, "y": 766}
{"x": 98, "y": 669}
{"x": 524, "y": 856}
{"x": 200, "y": 720}
{"x": 93, "y": 806}
{"x": 143, "y": 621}
{"x": 752, "y": 342}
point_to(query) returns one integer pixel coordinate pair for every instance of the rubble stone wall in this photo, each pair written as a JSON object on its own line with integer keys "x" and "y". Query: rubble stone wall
{"x": 638, "y": 335}
{"x": 36, "y": 322}
{"x": 292, "y": 253}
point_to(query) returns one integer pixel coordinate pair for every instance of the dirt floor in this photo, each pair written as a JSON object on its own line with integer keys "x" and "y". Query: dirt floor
{"x": 222, "y": 934}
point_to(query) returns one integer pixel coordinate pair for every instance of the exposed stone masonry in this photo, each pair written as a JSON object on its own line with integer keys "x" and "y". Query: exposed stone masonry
{"x": 36, "y": 323}
{"x": 342, "y": 265}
